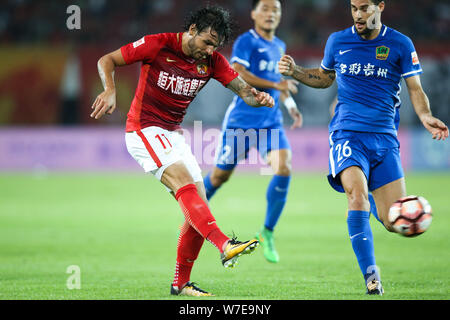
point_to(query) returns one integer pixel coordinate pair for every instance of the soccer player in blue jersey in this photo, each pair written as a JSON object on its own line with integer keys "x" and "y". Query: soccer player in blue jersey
{"x": 255, "y": 56}
{"x": 368, "y": 60}
{"x": 373, "y": 207}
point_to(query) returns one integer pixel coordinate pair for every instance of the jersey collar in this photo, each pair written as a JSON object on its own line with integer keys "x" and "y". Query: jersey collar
{"x": 380, "y": 35}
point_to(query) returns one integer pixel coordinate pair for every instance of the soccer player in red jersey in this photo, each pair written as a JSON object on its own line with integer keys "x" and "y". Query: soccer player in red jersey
{"x": 175, "y": 67}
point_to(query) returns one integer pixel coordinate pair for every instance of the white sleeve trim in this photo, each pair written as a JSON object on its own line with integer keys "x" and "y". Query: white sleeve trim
{"x": 412, "y": 72}
{"x": 323, "y": 67}
{"x": 241, "y": 61}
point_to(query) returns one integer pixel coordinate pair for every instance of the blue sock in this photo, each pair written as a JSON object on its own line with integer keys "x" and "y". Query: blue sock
{"x": 373, "y": 208}
{"x": 276, "y": 199}
{"x": 362, "y": 239}
{"x": 209, "y": 188}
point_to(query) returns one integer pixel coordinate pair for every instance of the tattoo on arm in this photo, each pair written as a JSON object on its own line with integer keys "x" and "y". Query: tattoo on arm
{"x": 243, "y": 90}
{"x": 314, "y": 77}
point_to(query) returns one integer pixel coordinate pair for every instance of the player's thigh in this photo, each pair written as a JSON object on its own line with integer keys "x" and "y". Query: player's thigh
{"x": 151, "y": 148}
{"x": 347, "y": 151}
{"x": 385, "y": 196}
{"x": 188, "y": 158}
{"x": 186, "y": 170}
{"x": 354, "y": 182}
{"x": 280, "y": 161}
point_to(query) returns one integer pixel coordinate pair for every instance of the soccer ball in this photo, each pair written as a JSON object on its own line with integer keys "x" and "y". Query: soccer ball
{"x": 410, "y": 216}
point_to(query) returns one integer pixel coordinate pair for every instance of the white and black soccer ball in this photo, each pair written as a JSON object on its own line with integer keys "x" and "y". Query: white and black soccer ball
{"x": 410, "y": 216}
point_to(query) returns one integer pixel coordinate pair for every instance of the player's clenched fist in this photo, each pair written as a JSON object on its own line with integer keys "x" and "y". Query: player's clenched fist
{"x": 286, "y": 65}
{"x": 104, "y": 103}
{"x": 263, "y": 98}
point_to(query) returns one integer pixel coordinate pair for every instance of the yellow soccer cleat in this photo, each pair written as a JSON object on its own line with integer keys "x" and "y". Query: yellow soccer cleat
{"x": 374, "y": 287}
{"x": 190, "y": 289}
{"x": 234, "y": 249}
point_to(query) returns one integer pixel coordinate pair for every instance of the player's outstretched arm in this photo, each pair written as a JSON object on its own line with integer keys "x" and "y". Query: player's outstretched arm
{"x": 421, "y": 105}
{"x": 316, "y": 78}
{"x": 106, "y": 101}
{"x": 250, "y": 95}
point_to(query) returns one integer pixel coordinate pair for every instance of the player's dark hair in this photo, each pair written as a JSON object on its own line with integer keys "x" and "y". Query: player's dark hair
{"x": 218, "y": 18}
{"x": 255, "y": 3}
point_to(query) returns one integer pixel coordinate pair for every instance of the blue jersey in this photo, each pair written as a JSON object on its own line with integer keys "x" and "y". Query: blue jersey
{"x": 260, "y": 57}
{"x": 368, "y": 76}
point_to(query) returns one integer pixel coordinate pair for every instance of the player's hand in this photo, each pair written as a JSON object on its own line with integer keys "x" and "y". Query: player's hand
{"x": 435, "y": 126}
{"x": 286, "y": 65}
{"x": 297, "y": 117}
{"x": 288, "y": 85}
{"x": 263, "y": 98}
{"x": 104, "y": 103}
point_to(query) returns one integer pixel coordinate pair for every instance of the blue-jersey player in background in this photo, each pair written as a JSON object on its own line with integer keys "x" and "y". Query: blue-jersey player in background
{"x": 255, "y": 56}
{"x": 368, "y": 60}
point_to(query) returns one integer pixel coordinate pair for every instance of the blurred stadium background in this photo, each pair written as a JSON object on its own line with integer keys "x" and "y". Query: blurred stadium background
{"x": 48, "y": 77}
{"x": 51, "y": 218}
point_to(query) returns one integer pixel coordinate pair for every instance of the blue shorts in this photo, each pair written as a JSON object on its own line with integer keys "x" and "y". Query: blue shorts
{"x": 377, "y": 154}
{"x": 236, "y": 143}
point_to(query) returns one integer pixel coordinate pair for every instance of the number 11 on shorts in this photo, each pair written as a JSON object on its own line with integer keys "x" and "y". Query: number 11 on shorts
{"x": 161, "y": 140}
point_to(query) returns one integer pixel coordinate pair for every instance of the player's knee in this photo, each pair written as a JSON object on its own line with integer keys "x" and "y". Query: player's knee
{"x": 284, "y": 169}
{"x": 358, "y": 200}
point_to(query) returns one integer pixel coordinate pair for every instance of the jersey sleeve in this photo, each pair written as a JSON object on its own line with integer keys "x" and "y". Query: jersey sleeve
{"x": 409, "y": 60}
{"x": 241, "y": 52}
{"x": 328, "y": 60}
{"x": 223, "y": 72}
{"x": 144, "y": 49}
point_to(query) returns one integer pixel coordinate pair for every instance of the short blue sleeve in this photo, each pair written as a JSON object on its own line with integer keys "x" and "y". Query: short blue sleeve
{"x": 409, "y": 60}
{"x": 328, "y": 61}
{"x": 242, "y": 50}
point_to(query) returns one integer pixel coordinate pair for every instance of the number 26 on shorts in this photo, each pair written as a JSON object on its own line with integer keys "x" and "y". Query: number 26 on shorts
{"x": 343, "y": 150}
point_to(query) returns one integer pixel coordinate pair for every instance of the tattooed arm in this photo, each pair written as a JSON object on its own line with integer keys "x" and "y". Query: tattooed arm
{"x": 316, "y": 78}
{"x": 250, "y": 95}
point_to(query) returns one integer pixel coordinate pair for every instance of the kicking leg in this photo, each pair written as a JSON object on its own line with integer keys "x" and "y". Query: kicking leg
{"x": 373, "y": 208}
{"x": 385, "y": 196}
{"x": 177, "y": 178}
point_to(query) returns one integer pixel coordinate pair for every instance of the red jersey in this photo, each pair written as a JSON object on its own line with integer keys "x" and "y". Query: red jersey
{"x": 169, "y": 80}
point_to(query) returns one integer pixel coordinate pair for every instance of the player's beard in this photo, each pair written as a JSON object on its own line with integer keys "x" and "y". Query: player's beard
{"x": 194, "y": 52}
{"x": 365, "y": 32}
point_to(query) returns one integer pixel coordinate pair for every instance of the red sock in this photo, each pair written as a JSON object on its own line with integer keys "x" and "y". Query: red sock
{"x": 189, "y": 244}
{"x": 199, "y": 216}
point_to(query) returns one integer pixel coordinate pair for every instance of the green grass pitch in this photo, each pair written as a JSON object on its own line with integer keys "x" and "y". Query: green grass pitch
{"x": 122, "y": 229}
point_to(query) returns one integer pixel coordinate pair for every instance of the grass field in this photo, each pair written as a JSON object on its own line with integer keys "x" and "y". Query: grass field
{"x": 121, "y": 230}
